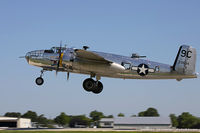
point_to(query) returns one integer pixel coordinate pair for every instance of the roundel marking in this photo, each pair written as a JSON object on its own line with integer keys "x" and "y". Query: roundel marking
{"x": 143, "y": 69}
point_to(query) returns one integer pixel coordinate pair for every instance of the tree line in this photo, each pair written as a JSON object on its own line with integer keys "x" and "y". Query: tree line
{"x": 185, "y": 120}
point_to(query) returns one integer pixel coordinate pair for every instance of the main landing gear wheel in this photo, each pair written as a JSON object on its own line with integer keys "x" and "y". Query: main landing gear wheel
{"x": 92, "y": 86}
{"x": 99, "y": 87}
{"x": 89, "y": 84}
{"x": 39, "y": 81}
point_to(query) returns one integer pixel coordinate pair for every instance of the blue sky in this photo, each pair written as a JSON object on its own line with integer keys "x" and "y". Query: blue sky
{"x": 153, "y": 28}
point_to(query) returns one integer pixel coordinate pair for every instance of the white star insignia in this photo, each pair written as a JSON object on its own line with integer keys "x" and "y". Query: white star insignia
{"x": 143, "y": 69}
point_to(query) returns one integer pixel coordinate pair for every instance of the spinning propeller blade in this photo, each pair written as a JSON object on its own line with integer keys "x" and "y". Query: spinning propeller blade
{"x": 67, "y": 75}
{"x": 60, "y": 57}
{"x": 22, "y": 57}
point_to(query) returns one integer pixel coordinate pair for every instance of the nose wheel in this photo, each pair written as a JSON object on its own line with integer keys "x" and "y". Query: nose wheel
{"x": 90, "y": 85}
{"x": 39, "y": 81}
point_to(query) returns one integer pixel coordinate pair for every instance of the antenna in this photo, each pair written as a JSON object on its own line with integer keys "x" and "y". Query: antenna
{"x": 85, "y": 47}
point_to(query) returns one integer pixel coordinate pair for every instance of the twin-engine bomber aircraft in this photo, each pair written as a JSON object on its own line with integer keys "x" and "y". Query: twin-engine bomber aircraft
{"x": 99, "y": 64}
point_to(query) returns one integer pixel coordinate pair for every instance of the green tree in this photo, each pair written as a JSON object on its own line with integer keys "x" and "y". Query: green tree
{"x": 149, "y": 112}
{"x": 186, "y": 120}
{"x": 43, "y": 120}
{"x": 51, "y": 123}
{"x": 109, "y": 116}
{"x": 174, "y": 120}
{"x": 120, "y": 115}
{"x": 141, "y": 113}
{"x": 96, "y": 116}
{"x": 133, "y": 115}
{"x": 197, "y": 125}
{"x": 30, "y": 114}
{"x": 62, "y": 119}
{"x": 13, "y": 114}
{"x": 80, "y": 120}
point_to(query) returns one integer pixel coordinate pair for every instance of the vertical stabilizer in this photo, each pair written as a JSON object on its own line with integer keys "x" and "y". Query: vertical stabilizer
{"x": 185, "y": 61}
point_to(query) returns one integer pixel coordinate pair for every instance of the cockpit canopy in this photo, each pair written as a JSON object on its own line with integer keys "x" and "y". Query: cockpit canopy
{"x": 55, "y": 50}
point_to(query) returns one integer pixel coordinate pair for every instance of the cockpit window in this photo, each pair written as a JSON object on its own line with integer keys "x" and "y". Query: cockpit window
{"x": 56, "y": 49}
{"x": 49, "y": 51}
{"x": 37, "y": 53}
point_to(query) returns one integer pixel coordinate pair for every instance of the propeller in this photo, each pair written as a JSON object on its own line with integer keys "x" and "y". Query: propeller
{"x": 22, "y": 56}
{"x": 67, "y": 75}
{"x": 60, "y": 58}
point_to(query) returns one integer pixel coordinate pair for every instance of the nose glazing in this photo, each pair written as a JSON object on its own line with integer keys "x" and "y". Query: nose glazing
{"x": 27, "y": 56}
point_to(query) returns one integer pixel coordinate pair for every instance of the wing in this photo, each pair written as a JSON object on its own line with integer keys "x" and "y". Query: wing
{"x": 90, "y": 56}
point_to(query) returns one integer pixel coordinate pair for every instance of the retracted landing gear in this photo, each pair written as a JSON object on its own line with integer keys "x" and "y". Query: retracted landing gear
{"x": 40, "y": 80}
{"x": 92, "y": 86}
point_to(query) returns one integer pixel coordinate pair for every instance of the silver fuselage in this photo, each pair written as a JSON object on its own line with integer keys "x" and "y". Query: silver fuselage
{"x": 70, "y": 63}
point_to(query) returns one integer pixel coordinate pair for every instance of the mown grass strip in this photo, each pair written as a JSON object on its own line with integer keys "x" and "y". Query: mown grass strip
{"x": 21, "y": 131}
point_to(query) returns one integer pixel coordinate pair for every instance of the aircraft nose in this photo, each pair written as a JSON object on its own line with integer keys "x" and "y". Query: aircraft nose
{"x": 27, "y": 56}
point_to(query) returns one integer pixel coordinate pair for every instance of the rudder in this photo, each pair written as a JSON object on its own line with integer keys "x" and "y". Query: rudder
{"x": 185, "y": 61}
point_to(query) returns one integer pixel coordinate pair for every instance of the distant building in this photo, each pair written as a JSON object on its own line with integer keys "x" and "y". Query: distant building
{"x": 12, "y": 122}
{"x": 136, "y": 123}
{"x": 106, "y": 122}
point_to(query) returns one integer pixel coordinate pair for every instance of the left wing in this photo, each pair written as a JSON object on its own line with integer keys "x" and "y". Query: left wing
{"x": 88, "y": 55}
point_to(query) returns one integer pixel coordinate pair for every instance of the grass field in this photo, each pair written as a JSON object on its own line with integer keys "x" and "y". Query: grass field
{"x": 21, "y": 131}
{"x": 76, "y": 132}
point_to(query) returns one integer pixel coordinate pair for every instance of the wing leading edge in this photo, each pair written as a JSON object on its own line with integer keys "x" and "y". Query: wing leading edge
{"x": 88, "y": 55}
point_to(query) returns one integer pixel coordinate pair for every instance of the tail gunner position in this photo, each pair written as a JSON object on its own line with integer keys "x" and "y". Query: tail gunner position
{"x": 99, "y": 64}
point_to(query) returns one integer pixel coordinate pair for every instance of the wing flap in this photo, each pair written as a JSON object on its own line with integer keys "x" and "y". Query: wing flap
{"x": 88, "y": 55}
